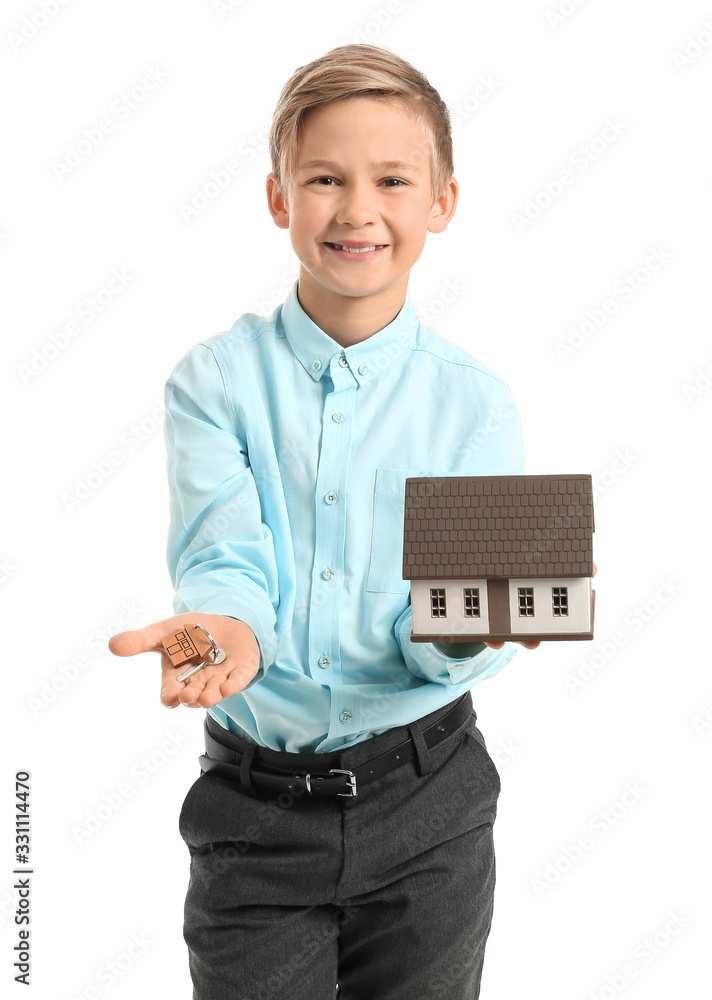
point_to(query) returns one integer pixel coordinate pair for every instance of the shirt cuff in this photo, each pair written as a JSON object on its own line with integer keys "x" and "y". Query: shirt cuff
{"x": 262, "y": 668}
{"x": 427, "y": 660}
{"x": 264, "y": 634}
{"x": 460, "y": 650}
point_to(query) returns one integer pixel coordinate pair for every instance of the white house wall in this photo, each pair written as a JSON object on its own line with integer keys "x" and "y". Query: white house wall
{"x": 543, "y": 620}
{"x": 456, "y": 622}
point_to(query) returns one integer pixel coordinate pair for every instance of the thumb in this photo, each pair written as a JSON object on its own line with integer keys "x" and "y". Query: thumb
{"x": 141, "y": 640}
{"x": 130, "y": 643}
{"x": 148, "y": 638}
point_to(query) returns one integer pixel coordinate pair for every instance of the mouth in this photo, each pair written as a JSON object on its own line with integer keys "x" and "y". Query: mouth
{"x": 363, "y": 251}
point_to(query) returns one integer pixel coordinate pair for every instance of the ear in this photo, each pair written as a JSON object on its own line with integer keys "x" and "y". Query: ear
{"x": 277, "y": 203}
{"x": 443, "y": 207}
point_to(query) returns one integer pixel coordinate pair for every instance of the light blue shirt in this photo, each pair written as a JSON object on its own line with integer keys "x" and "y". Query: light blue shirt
{"x": 287, "y": 460}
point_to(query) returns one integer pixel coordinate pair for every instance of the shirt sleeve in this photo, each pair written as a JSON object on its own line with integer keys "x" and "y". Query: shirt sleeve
{"x": 220, "y": 553}
{"x": 500, "y": 453}
{"x": 427, "y": 661}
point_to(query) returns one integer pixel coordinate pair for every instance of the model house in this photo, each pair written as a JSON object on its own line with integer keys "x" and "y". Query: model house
{"x": 499, "y": 558}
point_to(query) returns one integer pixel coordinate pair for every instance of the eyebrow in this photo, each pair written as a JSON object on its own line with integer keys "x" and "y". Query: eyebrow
{"x": 383, "y": 165}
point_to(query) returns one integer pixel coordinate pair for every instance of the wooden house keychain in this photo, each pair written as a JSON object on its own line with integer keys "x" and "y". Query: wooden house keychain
{"x": 188, "y": 646}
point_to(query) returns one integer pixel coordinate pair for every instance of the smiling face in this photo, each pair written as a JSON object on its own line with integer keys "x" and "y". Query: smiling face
{"x": 363, "y": 179}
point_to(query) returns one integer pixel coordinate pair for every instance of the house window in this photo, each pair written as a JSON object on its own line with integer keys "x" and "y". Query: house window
{"x": 437, "y": 602}
{"x": 472, "y": 602}
{"x": 526, "y": 602}
{"x": 560, "y": 601}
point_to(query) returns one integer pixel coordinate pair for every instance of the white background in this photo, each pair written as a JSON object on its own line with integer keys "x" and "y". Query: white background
{"x": 615, "y": 405}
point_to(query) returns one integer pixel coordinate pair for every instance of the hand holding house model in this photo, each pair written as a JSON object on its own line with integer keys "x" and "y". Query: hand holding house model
{"x": 499, "y": 558}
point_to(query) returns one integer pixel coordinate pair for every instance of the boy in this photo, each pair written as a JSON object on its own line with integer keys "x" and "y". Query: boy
{"x": 341, "y": 827}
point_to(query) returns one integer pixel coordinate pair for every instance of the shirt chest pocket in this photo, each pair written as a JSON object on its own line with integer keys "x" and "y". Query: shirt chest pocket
{"x": 385, "y": 571}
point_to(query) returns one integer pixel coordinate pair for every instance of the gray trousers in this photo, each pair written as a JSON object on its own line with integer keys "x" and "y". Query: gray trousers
{"x": 387, "y": 894}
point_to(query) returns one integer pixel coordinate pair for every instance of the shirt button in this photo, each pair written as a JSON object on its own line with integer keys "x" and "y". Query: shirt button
{"x": 337, "y": 417}
{"x": 316, "y": 364}
{"x": 324, "y": 661}
{"x": 343, "y": 362}
{"x": 362, "y": 369}
{"x": 328, "y": 573}
{"x": 330, "y": 497}
{"x": 345, "y": 717}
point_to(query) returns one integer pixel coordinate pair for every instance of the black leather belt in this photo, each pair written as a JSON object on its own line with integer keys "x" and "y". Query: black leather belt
{"x": 225, "y": 761}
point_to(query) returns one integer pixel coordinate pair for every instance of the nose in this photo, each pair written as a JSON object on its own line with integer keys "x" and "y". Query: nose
{"x": 356, "y": 205}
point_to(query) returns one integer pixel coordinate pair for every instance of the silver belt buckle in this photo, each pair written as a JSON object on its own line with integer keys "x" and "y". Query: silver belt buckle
{"x": 352, "y": 781}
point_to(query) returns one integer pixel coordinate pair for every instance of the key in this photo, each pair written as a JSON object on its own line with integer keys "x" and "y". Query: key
{"x": 216, "y": 655}
{"x": 190, "y": 671}
{"x": 187, "y": 646}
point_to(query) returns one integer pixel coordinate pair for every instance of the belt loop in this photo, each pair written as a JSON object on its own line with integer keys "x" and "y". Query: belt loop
{"x": 245, "y": 763}
{"x": 425, "y": 763}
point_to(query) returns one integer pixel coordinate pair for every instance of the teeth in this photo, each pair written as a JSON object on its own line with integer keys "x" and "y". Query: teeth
{"x": 340, "y": 246}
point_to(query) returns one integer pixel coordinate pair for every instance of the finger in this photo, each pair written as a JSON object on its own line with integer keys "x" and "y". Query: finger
{"x": 148, "y": 638}
{"x": 141, "y": 640}
{"x": 594, "y": 569}
{"x": 192, "y": 691}
{"x": 171, "y": 689}
{"x": 182, "y": 692}
{"x": 212, "y": 692}
{"x": 168, "y": 699}
{"x": 238, "y": 678}
{"x": 212, "y": 684}
{"x": 221, "y": 687}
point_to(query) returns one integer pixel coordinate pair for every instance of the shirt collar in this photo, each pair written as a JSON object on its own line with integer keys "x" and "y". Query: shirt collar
{"x": 315, "y": 349}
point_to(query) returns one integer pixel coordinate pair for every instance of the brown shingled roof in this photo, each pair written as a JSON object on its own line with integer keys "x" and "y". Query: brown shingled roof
{"x": 498, "y": 526}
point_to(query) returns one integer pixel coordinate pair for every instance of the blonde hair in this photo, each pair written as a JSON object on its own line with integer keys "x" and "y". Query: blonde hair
{"x": 352, "y": 70}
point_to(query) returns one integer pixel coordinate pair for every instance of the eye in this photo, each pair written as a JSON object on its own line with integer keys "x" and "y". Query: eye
{"x": 396, "y": 179}
{"x": 317, "y": 179}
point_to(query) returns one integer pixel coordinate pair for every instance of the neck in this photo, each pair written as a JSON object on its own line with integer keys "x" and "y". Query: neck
{"x": 350, "y": 319}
